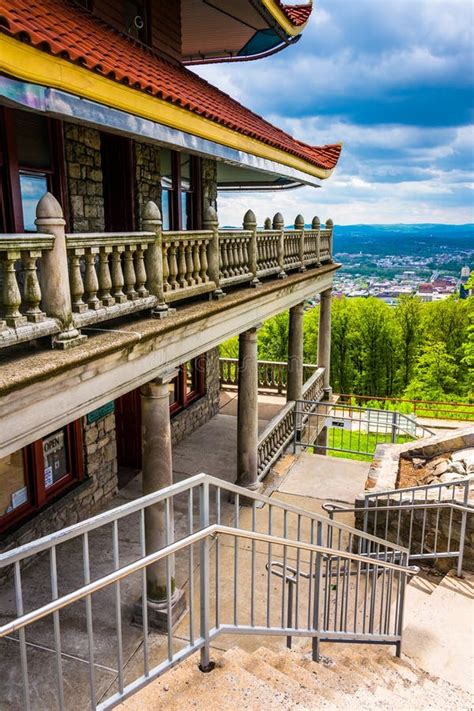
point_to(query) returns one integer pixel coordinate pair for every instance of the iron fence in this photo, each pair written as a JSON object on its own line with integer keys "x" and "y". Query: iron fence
{"x": 347, "y": 585}
{"x": 351, "y": 430}
{"x": 433, "y": 521}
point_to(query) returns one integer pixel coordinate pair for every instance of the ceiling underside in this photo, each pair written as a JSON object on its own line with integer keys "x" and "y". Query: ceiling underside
{"x": 225, "y": 29}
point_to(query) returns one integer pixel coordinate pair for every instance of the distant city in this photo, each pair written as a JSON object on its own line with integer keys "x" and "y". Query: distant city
{"x": 431, "y": 261}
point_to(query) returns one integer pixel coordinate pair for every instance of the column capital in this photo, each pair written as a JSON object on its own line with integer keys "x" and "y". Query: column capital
{"x": 250, "y": 333}
{"x": 326, "y": 294}
{"x": 298, "y": 308}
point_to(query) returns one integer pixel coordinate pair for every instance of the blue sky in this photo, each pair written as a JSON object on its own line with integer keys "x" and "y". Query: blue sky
{"x": 392, "y": 79}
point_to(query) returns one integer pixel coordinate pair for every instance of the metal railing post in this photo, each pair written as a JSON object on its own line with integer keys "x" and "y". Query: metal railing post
{"x": 462, "y": 533}
{"x": 394, "y": 427}
{"x": 206, "y": 665}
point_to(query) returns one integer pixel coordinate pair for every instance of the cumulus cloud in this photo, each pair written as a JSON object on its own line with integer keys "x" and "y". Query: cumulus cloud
{"x": 393, "y": 81}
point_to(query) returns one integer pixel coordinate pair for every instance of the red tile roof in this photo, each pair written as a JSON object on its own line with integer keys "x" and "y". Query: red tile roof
{"x": 67, "y": 31}
{"x": 296, "y": 14}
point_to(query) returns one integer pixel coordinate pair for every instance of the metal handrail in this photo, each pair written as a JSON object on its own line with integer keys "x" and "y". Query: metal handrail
{"x": 338, "y": 508}
{"x": 78, "y": 529}
{"x": 171, "y": 549}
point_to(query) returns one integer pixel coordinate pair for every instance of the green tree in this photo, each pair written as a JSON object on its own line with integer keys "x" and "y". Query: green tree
{"x": 435, "y": 374}
{"x": 408, "y": 315}
{"x": 273, "y": 338}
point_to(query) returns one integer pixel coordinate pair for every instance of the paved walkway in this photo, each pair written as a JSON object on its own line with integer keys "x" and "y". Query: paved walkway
{"x": 210, "y": 449}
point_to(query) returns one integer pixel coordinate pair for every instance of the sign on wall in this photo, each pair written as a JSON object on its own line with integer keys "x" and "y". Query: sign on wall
{"x": 101, "y": 412}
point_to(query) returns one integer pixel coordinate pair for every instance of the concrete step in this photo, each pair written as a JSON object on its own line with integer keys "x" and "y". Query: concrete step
{"x": 352, "y": 678}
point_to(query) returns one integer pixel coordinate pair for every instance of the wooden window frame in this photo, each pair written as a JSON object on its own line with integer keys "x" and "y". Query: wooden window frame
{"x": 184, "y": 398}
{"x": 176, "y": 191}
{"x": 33, "y": 463}
{"x": 11, "y": 169}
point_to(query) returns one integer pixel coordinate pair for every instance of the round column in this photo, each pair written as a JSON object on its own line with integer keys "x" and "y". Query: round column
{"x": 324, "y": 338}
{"x": 247, "y": 413}
{"x": 295, "y": 354}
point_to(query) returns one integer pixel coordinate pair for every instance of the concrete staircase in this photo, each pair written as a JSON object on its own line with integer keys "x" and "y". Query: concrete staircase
{"x": 436, "y": 671}
{"x": 352, "y": 678}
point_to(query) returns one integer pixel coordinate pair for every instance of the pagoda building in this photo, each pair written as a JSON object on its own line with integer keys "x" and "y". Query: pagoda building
{"x": 117, "y": 282}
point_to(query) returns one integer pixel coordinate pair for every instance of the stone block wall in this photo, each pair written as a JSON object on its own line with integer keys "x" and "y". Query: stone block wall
{"x": 84, "y": 178}
{"x": 201, "y": 411}
{"x": 147, "y": 175}
{"x": 100, "y": 485}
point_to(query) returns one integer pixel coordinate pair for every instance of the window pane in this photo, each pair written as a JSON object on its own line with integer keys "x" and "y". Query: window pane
{"x": 172, "y": 389}
{"x": 186, "y": 210}
{"x": 32, "y": 139}
{"x": 190, "y": 377}
{"x": 166, "y": 168}
{"x": 165, "y": 209}
{"x": 185, "y": 171}
{"x": 55, "y": 457}
{"x": 13, "y": 492}
{"x": 32, "y": 188}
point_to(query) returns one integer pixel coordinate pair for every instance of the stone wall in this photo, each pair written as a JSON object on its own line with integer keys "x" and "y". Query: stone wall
{"x": 84, "y": 178}
{"x": 147, "y": 175}
{"x": 100, "y": 485}
{"x": 209, "y": 183}
{"x": 200, "y": 412}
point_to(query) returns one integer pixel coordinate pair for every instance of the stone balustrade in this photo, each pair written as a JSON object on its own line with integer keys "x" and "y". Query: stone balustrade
{"x": 272, "y": 375}
{"x": 56, "y": 283}
{"x": 22, "y": 315}
{"x": 281, "y": 429}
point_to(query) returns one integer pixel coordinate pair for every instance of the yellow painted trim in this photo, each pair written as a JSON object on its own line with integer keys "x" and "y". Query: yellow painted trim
{"x": 24, "y": 62}
{"x": 278, "y": 15}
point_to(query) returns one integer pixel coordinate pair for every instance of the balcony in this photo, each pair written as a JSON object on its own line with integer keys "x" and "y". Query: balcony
{"x": 56, "y": 283}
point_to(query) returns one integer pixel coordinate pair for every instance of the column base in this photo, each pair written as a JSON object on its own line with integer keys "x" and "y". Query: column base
{"x": 162, "y": 311}
{"x": 256, "y": 487}
{"x": 327, "y": 393}
{"x": 68, "y": 339}
{"x": 158, "y": 611}
{"x": 217, "y": 295}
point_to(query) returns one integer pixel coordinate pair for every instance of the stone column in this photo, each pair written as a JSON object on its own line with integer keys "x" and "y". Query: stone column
{"x": 295, "y": 353}
{"x": 247, "y": 414}
{"x": 324, "y": 339}
{"x": 54, "y": 274}
{"x": 157, "y": 468}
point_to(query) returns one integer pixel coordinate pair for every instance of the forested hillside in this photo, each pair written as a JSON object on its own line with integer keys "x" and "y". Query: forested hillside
{"x": 416, "y": 350}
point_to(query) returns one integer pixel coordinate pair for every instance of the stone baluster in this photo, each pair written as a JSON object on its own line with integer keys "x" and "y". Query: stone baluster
{"x": 155, "y": 259}
{"x": 330, "y": 228}
{"x": 11, "y": 295}
{"x": 223, "y": 258}
{"x": 230, "y": 257}
{"x": 204, "y": 261}
{"x": 237, "y": 261}
{"x": 181, "y": 264}
{"x": 316, "y": 226}
{"x": 75, "y": 280}
{"x": 129, "y": 276}
{"x": 279, "y": 224}
{"x": 32, "y": 290}
{"x": 105, "y": 280}
{"x": 173, "y": 265}
{"x": 189, "y": 264}
{"x": 245, "y": 255}
{"x": 91, "y": 283}
{"x": 250, "y": 223}
{"x": 210, "y": 271}
{"x": 299, "y": 226}
{"x": 166, "y": 267}
{"x": 140, "y": 272}
{"x": 117, "y": 275}
{"x": 196, "y": 263}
